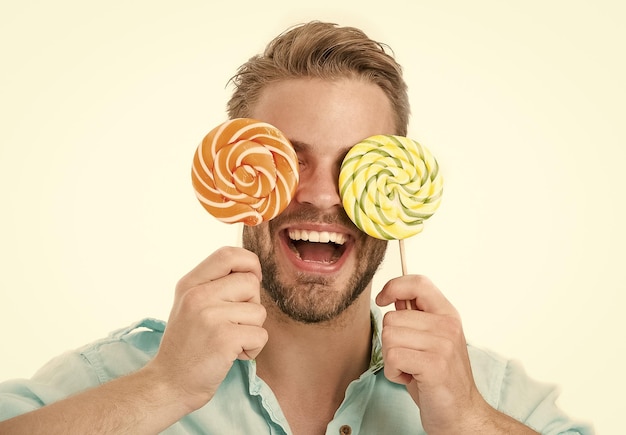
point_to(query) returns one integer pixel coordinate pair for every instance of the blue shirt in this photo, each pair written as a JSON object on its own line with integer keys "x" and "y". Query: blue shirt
{"x": 244, "y": 404}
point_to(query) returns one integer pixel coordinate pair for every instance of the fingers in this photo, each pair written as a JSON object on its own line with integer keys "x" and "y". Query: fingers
{"x": 222, "y": 289}
{"x": 229, "y": 274}
{"x": 436, "y": 324}
{"x": 235, "y": 287}
{"x": 253, "y": 339}
{"x": 431, "y": 350}
{"x": 217, "y": 317}
{"x": 418, "y": 289}
{"x": 221, "y": 263}
{"x": 426, "y": 344}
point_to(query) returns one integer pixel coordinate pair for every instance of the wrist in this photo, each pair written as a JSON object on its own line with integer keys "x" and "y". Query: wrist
{"x": 484, "y": 419}
{"x": 170, "y": 391}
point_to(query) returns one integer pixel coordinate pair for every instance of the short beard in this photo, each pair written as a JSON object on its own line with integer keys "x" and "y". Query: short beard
{"x": 312, "y": 299}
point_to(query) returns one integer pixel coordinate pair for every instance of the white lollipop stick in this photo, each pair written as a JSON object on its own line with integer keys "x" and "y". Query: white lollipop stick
{"x": 404, "y": 272}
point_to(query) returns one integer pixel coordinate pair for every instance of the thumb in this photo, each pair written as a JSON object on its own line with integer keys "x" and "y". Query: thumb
{"x": 401, "y": 288}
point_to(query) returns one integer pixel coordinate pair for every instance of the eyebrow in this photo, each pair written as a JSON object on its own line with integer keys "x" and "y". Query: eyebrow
{"x": 299, "y": 146}
{"x": 303, "y": 147}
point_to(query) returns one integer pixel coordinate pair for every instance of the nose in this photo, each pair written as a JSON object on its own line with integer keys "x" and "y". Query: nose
{"x": 319, "y": 186}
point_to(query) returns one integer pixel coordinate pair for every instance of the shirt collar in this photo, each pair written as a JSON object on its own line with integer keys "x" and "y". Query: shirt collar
{"x": 376, "y": 360}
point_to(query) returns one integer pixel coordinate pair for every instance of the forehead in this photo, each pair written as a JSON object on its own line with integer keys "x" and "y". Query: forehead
{"x": 328, "y": 116}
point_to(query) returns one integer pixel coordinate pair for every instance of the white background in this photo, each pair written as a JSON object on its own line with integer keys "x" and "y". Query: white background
{"x": 102, "y": 106}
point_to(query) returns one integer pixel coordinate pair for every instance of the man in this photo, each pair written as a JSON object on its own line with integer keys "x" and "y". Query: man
{"x": 280, "y": 336}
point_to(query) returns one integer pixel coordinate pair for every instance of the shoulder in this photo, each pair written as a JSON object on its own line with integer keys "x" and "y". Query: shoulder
{"x": 498, "y": 377}
{"x": 143, "y": 336}
{"x": 124, "y": 350}
{"x": 121, "y": 352}
{"x": 506, "y": 386}
{"x": 489, "y": 369}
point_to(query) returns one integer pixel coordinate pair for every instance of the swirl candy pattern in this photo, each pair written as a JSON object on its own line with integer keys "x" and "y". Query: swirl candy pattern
{"x": 389, "y": 185}
{"x": 245, "y": 170}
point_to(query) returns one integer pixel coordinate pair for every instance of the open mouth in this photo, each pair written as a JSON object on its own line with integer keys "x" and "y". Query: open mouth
{"x": 317, "y": 246}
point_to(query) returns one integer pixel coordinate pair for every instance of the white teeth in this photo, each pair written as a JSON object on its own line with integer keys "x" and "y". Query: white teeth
{"x": 317, "y": 236}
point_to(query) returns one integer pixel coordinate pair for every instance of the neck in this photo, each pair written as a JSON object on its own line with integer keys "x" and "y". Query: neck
{"x": 317, "y": 358}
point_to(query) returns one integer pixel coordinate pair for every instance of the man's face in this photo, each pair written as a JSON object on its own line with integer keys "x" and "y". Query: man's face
{"x": 315, "y": 261}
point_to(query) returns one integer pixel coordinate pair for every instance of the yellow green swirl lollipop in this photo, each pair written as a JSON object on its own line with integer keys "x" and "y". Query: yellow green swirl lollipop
{"x": 389, "y": 186}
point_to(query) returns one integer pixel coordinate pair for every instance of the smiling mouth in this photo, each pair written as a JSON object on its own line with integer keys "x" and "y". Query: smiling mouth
{"x": 317, "y": 246}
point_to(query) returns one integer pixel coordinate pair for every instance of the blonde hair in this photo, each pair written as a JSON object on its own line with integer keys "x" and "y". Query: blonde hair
{"x": 326, "y": 51}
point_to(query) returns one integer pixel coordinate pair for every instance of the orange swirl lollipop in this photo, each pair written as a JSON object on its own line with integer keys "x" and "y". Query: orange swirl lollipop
{"x": 245, "y": 170}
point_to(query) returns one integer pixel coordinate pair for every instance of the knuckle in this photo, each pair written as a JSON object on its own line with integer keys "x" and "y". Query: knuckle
{"x": 388, "y": 319}
{"x": 262, "y": 314}
{"x": 256, "y": 314}
{"x": 251, "y": 280}
{"x": 192, "y": 294}
{"x": 390, "y": 373}
{"x": 263, "y": 336}
{"x": 422, "y": 281}
{"x": 182, "y": 285}
{"x": 194, "y": 297}
{"x": 226, "y": 254}
{"x": 393, "y": 357}
{"x": 454, "y": 327}
{"x": 386, "y": 336}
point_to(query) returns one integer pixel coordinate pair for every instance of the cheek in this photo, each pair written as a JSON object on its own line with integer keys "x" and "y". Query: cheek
{"x": 372, "y": 251}
{"x": 254, "y": 238}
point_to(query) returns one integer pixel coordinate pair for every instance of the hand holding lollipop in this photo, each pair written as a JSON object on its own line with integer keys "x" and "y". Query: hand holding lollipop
{"x": 389, "y": 185}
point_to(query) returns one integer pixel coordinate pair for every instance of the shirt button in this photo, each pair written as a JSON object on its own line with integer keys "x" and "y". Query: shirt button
{"x": 345, "y": 430}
